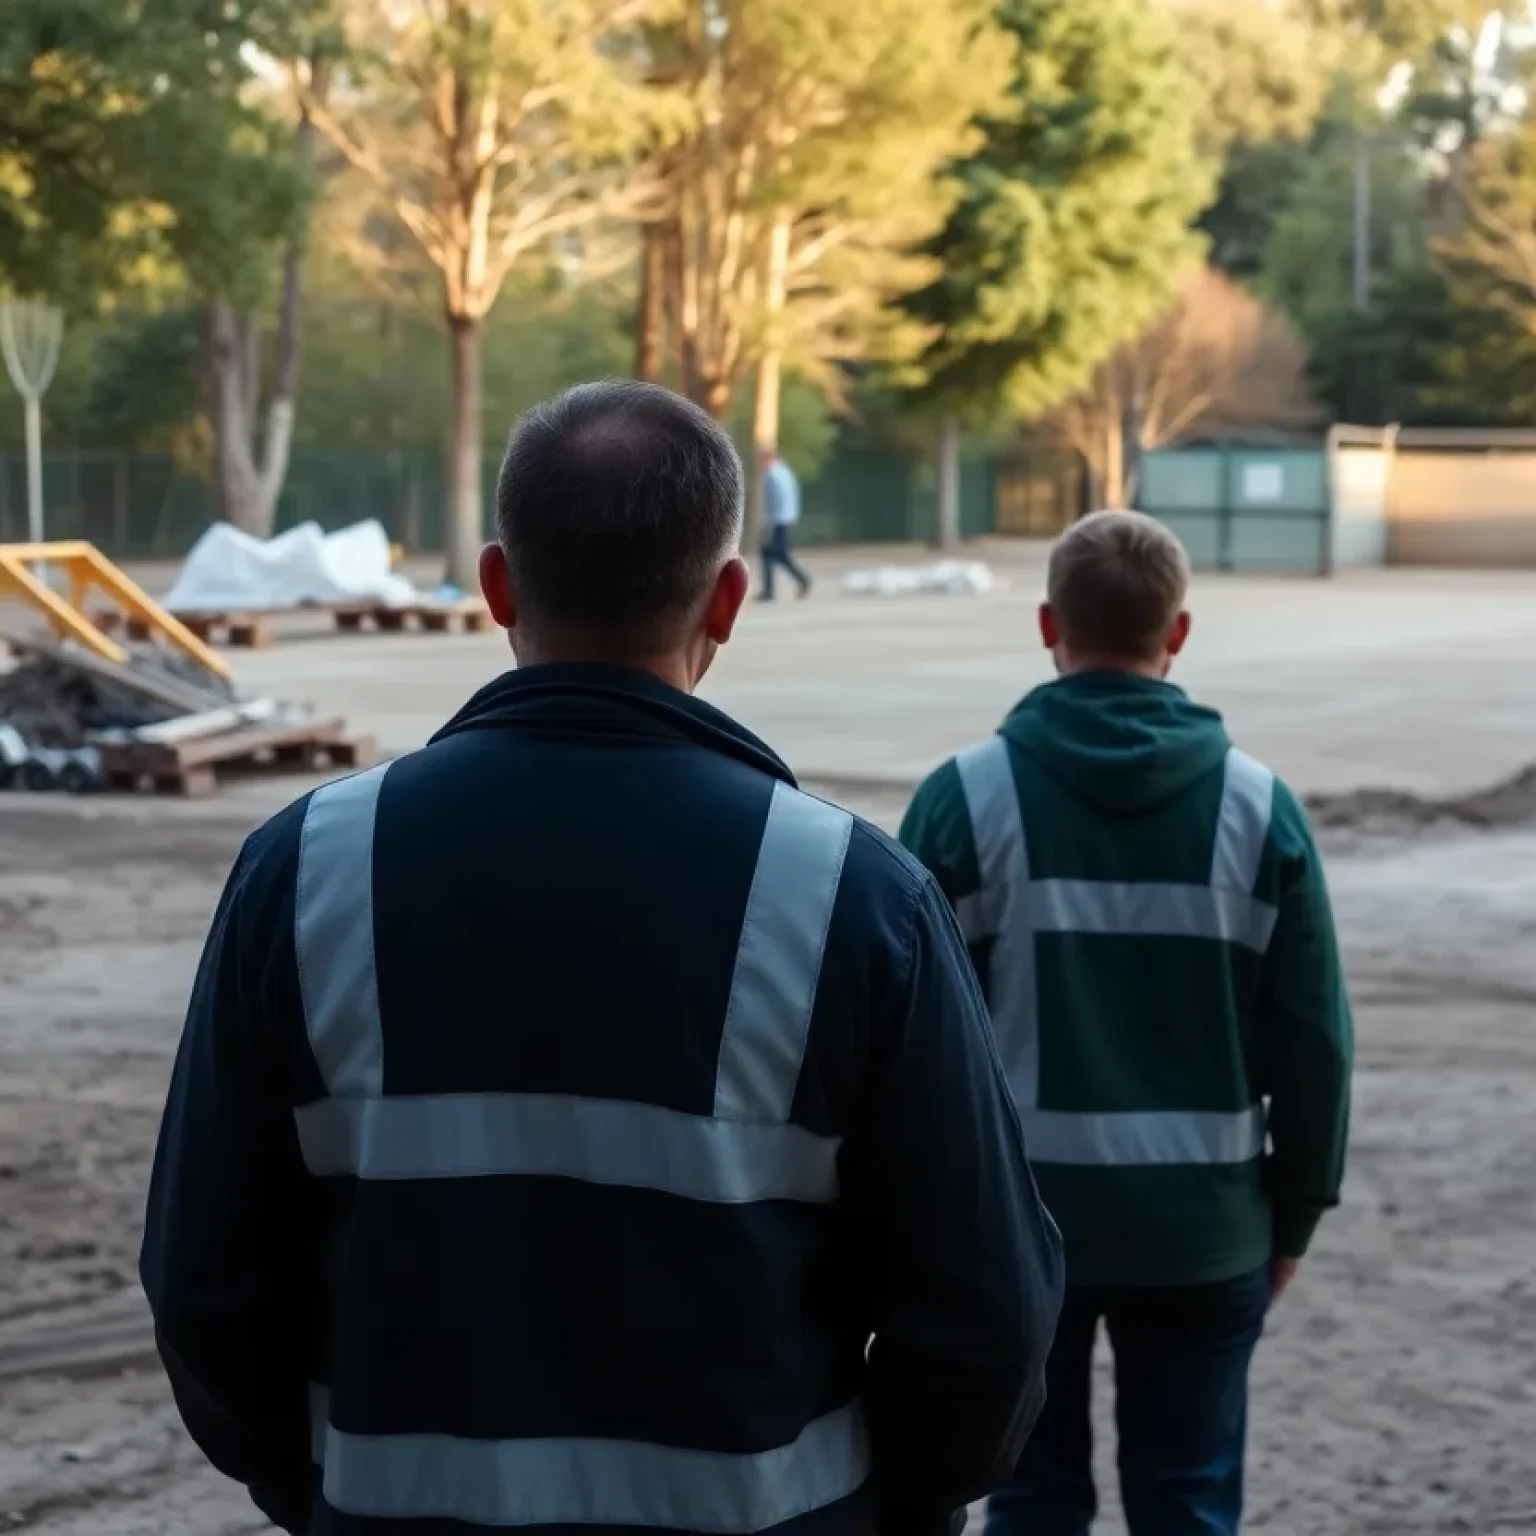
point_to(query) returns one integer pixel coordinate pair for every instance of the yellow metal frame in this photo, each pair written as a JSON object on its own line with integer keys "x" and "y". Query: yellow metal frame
{"x": 87, "y": 567}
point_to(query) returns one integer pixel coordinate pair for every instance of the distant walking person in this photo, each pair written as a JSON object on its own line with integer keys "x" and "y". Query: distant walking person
{"x": 579, "y": 1128}
{"x": 1146, "y": 907}
{"x": 782, "y": 498}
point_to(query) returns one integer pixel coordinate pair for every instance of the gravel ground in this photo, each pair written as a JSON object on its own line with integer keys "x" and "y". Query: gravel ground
{"x": 1396, "y": 1393}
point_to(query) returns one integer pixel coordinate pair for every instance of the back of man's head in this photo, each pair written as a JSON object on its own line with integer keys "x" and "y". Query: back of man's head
{"x": 1115, "y": 591}
{"x": 617, "y": 504}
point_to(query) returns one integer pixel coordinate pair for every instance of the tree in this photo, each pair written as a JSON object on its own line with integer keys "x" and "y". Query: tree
{"x": 135, "y": 163}
{"x": 1217, "y": 360}
{"x": 487, "y": 131}
{"x": 75, "y": 211}
{"x": 1265, "y": 72}
{"x": 1263, "y": 69}
{"x": 808, "y": 171}
{"x": 1074, "y": 214}
{"x": 1488, "y": 265}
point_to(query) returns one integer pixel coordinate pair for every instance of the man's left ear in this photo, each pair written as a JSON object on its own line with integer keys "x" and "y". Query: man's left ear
{"x": 724, "y": 606}
{"x": 1178, "y": 632}
{"x": 496, "y": 586}
{"x": 1050, "y": 630}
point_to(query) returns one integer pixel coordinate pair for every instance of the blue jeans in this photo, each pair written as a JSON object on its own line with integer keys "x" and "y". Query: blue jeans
{"x": 776, "y": 553}
{"x": 1181, "y": 1408}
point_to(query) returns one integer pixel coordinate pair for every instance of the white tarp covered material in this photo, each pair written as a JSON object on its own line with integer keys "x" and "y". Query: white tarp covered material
{"x": 966, "y": 576}
{"x": 228, "y": 571}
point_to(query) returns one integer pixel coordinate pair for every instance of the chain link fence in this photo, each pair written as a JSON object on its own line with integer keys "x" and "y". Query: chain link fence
{"x": 140, "y": 505}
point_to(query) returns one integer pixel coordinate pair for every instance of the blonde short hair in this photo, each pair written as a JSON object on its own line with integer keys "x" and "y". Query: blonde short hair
{"x": 1116, "y": 582}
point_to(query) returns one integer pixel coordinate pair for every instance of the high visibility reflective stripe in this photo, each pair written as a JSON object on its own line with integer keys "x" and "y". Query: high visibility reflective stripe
{"x": 589, "y": 1482}
{"x": 600, "y": 1141}
{"x": 1144, "y": 1138}
{"x": 1129, "y": 909}
{"x": 1225, "y": 909}
{"x": 1147, "y": 910}
{"x": 1242, "y": 823}
{"x": 1002, "y": 858}
{"x": 748, "y": 1152}
{"x": 778, "y": 956}
{"x": 333, "y": 933}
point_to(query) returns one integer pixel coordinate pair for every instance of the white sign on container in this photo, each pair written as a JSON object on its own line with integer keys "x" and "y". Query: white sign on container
{"x": 1263, "y": 482}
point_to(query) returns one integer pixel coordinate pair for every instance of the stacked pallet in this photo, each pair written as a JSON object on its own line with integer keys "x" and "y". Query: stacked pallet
{"x": 253, "y": 629}
{"x": 195, "y": 754}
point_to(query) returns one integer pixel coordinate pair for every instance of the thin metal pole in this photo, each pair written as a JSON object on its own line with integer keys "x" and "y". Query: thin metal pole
{"x": 1362, "y": 236}
{"x": 34, "y": 470}
{"x": 949, "y": 484}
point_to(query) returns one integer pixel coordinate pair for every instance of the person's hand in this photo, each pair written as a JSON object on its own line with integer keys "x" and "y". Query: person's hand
{"x": 1282, "y": 1272}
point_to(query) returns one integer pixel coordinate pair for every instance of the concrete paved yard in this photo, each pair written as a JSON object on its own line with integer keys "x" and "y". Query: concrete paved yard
{"x": 1419, "y": 680}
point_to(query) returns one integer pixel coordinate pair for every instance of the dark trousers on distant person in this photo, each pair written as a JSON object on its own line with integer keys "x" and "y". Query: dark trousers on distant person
{"x": 776, "y": 552}
{"x": 1181, "y": 1407}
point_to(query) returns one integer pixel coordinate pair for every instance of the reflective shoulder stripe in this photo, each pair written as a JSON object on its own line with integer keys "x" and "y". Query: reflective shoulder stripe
{"x": 1151, "y": 1138}
{"x": 778, "y": 956}
{"x": 567, "y": 1481}
{"x": 333, "y": 934}
{"x": 1000, "y": 910}
{"x": 1242, "y": 824}
{"x": 997, "y": 824}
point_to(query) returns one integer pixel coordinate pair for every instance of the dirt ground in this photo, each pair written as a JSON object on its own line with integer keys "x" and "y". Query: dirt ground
{"x": 1397, "y": 1391}
{"x": 1396, "y": 1394}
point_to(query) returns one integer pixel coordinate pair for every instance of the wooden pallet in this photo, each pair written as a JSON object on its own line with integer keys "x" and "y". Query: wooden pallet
{"x": 468, "y": 616}
{"x": 253, "y": 630}
{"x": 198, "y": 766}
{"x": 247, "y": 631}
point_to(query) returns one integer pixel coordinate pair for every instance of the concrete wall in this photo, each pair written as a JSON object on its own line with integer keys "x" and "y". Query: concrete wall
{"x": 1462, "y": 509}
{"x": 1359, "y": 479}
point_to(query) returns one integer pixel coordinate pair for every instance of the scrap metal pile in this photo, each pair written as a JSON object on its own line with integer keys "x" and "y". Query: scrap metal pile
{"x": 73, "y": 721}
{"x": 79, "y": 710}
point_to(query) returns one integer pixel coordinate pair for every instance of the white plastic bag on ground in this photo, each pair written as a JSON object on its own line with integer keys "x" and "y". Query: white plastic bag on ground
{"x": 967, "y": 576}
{"x": 228, "y": 571}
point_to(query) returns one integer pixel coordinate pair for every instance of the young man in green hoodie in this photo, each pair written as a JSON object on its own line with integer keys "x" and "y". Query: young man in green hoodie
{"x": 1146, "y": 908}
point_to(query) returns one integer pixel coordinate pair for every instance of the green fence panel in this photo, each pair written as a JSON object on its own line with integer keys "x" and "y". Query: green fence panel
{"x": 862, "y": 496}
{"x": 135, "y": 505}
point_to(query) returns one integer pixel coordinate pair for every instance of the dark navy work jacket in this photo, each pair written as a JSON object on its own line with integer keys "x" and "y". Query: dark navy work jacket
{"x": 577, "y": 1128}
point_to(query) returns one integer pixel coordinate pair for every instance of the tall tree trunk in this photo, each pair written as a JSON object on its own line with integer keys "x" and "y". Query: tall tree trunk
{"x": 466, "y": 507}
{"x": 650, "y": 315}
{"x": 1113, "y": 470}
{"x": 248, "y": 487}
{"x": 949, "y": 484}
{"x": 277, "y": 435}
{"x": 765, "y": 442}
{"x": 237, "y": 486}
{"x": 770, "y": 380}
{"x": 683, "y": 309}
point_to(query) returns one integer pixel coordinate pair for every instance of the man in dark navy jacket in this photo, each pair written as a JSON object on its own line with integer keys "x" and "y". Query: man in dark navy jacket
{"x": 576, "y": 1127}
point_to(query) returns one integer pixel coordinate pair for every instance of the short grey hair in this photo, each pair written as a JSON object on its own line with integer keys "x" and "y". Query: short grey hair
{"x": 1116, "y": 582}
{"x": 616, "y": 504}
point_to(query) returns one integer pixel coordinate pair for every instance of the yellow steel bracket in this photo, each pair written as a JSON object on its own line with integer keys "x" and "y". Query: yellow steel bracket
{"x": 87, "y": 567}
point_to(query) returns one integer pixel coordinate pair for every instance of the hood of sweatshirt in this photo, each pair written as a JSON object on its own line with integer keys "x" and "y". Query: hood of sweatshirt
{"x": 1123, "y": 742}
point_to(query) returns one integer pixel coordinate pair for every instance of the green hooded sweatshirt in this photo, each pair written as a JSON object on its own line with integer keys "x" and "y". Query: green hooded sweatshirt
{"x": 1146, "y": 909}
